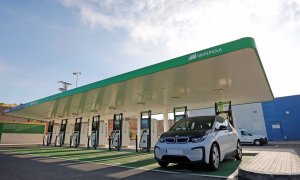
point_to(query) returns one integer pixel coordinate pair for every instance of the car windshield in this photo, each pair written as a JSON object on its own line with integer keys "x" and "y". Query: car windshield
{"x": 194, "y": 123}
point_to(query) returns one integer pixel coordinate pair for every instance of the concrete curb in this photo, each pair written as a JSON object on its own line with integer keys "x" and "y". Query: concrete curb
{"x": 295, "y": 142}
{"x": 244, "y": 174}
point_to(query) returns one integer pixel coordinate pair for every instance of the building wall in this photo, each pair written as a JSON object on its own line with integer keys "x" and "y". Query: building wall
{"x": 278, "y": 119}
{"x": 282, "y": 118}
{"x": 17, "y": 130}
{"x": 14, "y": 138}
{"x": 251, "y": 117}
{"x": 248, "y": 116}
{"x": 21, "y": 133}
{"x": 8, "y": 118}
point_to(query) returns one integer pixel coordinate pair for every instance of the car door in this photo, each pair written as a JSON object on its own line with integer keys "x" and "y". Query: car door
{"x": 248, "y": 137}
{"x": 243, "y": 137}
{"x": 232, "y": 137}
{"x": 222, "y": 135}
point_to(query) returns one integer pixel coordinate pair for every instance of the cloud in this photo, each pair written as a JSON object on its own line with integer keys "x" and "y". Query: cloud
{"x": 177, "y": 27}
{"x": 184, "y": 25}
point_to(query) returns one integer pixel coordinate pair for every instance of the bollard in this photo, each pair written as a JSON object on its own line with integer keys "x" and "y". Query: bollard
{"x": 48, "y": 139}
{"x": 71, "y": 141}
{"x": 119, "y": 144}
{"x": 148, "y": 143}
{"x": 136, "y": 143}
{"x": 44, "y": 140}
{"x": 60, "y": 142}
{"x": 88, "y": 143}
{"x": 109, "y": 143}
{"x": 55, "y": 141}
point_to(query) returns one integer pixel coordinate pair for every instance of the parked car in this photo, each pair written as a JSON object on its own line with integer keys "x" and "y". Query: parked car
{"x": 248, "y": 137}
{"x": 202, "y": 139}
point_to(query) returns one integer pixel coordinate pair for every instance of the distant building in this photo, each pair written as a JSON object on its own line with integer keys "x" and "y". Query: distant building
{"x": 17, "y": 130}
{"x": 8, "y": 118}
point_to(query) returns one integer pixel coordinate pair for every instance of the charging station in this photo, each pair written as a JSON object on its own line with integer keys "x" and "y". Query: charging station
{"x": 60, "y": 138}
{"x": 148, "y": 132}
{"x": 75, "y": 138}
{"x": 145, "y": 139}
{"x": 116, "y": 134}
{"x": 48, "y": 137}
{"x": 224, "y": 109}
{"x": 94, "y": 141}
{"x": 180, "y": 113}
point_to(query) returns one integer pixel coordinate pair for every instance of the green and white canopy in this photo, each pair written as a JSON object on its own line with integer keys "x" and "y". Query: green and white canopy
{"x": 197, "y": 80}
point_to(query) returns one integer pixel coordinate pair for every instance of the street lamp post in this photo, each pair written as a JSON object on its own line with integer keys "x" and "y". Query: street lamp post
{"x": 77, "y": 74}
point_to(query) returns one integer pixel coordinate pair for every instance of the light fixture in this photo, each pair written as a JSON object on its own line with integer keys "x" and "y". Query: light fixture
{"x": 218, "y": 90}
{"x": 141, "y": 103}
{"x": 112, "y": 108}
{"x": 76, "y": 74}
{"x": 287, "y": 112}
{"x": 175, "y": 97}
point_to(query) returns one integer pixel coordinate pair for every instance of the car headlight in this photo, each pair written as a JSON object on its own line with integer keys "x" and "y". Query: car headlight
{"x": 198, "y": 139}
{"x": 161, "y": 140}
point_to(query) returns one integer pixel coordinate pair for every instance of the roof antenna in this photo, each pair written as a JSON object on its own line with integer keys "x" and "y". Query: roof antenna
{"x": 65, "y": 86}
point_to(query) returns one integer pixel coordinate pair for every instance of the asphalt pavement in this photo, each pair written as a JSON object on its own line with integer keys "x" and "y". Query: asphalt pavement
{"x": 24, "y": 166}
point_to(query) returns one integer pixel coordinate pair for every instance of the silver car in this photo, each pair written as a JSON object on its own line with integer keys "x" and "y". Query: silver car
{"x": 202, "y": 139}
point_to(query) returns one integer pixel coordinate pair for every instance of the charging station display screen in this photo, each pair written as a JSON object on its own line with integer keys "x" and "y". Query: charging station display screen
{"x": 77, "y": 127}
{"x": 117, "y": 125}
{"x": 144, "y": 124}
{"x": 94, "y": 125}
{"x": 63, "y": 127}
{"x": 179, "y": 117}
{"x": 50, "y": 127}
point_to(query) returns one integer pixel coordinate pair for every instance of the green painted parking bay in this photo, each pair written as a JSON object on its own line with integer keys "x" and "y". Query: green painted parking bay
{"x": 129, "y": 159}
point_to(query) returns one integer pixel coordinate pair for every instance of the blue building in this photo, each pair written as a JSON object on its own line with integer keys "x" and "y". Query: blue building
{"x": 282, "y": 118}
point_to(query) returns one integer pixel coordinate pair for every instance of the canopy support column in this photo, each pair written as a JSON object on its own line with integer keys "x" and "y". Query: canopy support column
{"x": 166, "y": 120}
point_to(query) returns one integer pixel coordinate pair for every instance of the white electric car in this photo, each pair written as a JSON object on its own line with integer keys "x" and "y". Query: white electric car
{"x": 202, "y": 139}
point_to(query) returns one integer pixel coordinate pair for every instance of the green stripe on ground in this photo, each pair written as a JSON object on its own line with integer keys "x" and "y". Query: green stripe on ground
{"x": 128, "y": 159}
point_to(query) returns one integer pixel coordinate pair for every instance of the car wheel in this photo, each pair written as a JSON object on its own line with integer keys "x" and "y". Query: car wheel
{"x": 257, "y": 142}
{"x": 239, "y": 153}
{"x": 163, "y": 164}
{"x": 214, "y": 157}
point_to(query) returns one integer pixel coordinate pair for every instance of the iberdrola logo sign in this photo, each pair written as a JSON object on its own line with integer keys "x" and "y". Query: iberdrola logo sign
{"x": 204, "y": 53}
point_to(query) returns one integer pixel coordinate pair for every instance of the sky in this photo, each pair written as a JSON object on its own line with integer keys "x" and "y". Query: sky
{"x": 45, "y": 41}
